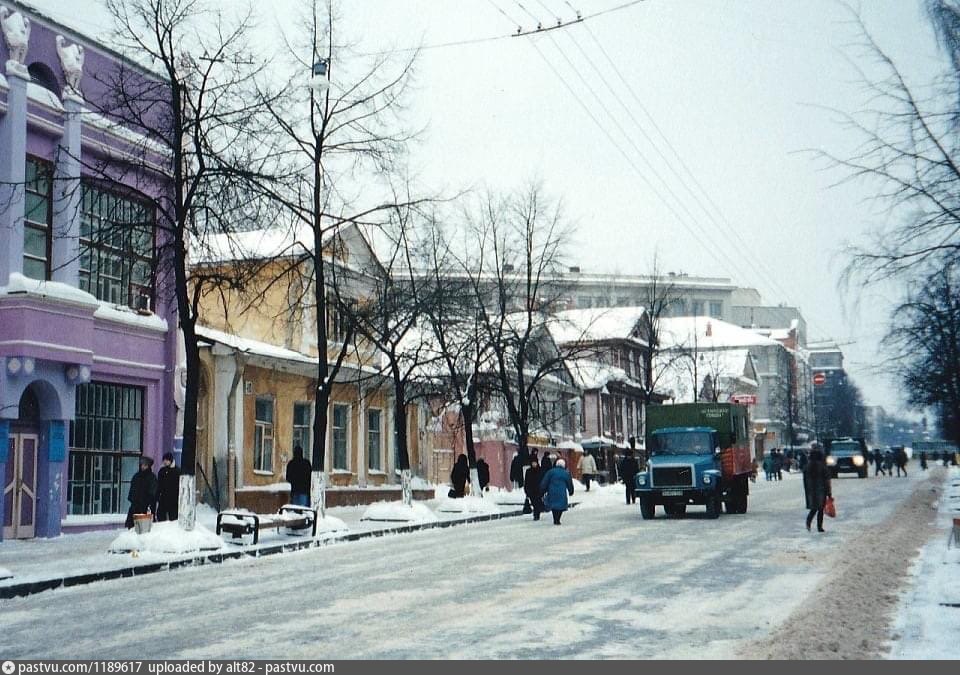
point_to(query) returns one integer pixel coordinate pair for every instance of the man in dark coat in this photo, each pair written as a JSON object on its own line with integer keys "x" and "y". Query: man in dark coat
{"x": 629, "y": 468}
{"x": 168, "y": 489}
{"x": 459, "y": 476}
{"x": 516, "y": 471}
{"x": 483, "y": 473}
{"x": 298, "y": 475}
{"x": 546, "y": 463}
{"x": 923, "y": 460}
{"x": 143, "y": 490}
{"x": 816, "y": 487}
{"x": 878, "y": 463}
{"x": 531, "y": 486}
{"x": 900, "y": 457}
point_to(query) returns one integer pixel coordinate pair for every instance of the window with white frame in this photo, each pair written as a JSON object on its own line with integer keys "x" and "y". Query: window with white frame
{"x": 374, "y": 439}
{"x": 301, "y": 427}
{"x": 341, "y": 418}
{"x": 263, "y": 435}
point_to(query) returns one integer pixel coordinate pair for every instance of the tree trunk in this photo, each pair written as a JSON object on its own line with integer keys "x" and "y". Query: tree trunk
{"x": 187, "y": 497}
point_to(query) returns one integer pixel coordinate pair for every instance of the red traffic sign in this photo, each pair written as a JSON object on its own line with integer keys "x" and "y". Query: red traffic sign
{"x": 744, "y": 399}
{"x": 819, "y": 378}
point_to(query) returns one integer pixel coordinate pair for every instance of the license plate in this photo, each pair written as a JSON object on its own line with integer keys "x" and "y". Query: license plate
{"x": 672, "y": 493}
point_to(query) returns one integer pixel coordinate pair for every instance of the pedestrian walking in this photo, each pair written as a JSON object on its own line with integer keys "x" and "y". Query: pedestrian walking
{"x": 888, "y": 461}
{"x": 298, "y": 474}
{"x": 516, "y": 471}
{"x": 458, "y": 477}
{"x": 629, "y": 468}
{"x": 900, "y": 457}
{"x": 531, "y": 486}
{"x": 588, "y": 468}
{"x": 546, "y": 463}
{"x": 777, "y": 465}
{"x": 816, "y": 487}
{"x": 878, "y": 463}
{"x": 923, "y": 460}
{"x": 802, "y": 460}
{"x": 168, "y": 489}
{"x": 483, "y": 474}
{"x": 556, "y": 485}
{"x": 768, "y": 467}
{"x": 143, "y": 490}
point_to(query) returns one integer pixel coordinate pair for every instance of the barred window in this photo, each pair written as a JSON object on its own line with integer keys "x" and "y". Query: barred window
{"x": 302, "y": 427}
{"x": 263, "y": 435}
{"x": 341, "y": 417}
{"x": 106, "y": 441}
{"x": 374, "y": 440}
{"x": 116, "y": 246}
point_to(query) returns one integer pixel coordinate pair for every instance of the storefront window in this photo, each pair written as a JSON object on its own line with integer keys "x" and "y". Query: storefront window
{"x": 106, "y": 441}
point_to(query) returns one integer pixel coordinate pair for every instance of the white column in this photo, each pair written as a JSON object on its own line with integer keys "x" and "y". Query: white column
{"x": 66, "y": 197}
{"x": 13, "y": 142}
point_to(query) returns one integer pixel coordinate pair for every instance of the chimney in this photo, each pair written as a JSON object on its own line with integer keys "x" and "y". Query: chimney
{"x": 575, "y": 269}
{"x": 709, "y": 328}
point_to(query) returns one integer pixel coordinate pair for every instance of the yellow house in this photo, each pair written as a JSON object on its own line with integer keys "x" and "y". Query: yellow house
{"x": 259, "y": 382}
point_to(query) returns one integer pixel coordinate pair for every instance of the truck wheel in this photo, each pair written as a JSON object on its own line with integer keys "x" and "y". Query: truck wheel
{"x": 713, "y": 507}
{"x": 648, "y": 510}
{"x": 863, "y": 474}
{"x": 728, "y": 506}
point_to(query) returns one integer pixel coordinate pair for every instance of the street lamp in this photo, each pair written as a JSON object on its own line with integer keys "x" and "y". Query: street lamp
{"x": 321, "y": 77}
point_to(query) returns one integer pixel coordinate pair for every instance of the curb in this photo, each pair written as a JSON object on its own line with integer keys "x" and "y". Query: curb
{"x": 33, "y": 587}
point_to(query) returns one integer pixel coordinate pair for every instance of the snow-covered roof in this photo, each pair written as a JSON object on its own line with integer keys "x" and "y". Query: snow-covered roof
{"x": 705, "y": 333}
{"x": 273, "y": 242}
{"x": 254, "y": 347}
{"x": 588, "y": 375}
{"x": 732, "y": 368}
{"x": 595, "y": 324}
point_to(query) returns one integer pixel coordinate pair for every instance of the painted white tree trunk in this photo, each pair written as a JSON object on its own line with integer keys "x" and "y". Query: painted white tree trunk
{"x": 187, "y": 502}
{"x": 318, "y": 488}
{"x": 406, "y": 487}
{"x": 475, "y": 483}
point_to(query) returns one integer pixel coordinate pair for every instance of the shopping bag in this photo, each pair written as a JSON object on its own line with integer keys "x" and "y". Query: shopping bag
{"x": 830, "y": 508}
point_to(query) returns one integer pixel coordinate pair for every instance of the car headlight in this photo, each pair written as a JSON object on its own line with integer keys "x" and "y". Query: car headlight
{"x": 707, "y": 479}
{"x": 831, "y": 460}
{"x": 858, "y": 460}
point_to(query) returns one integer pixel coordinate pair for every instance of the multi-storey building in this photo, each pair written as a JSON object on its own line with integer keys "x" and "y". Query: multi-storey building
{"x": 87, "y": 338}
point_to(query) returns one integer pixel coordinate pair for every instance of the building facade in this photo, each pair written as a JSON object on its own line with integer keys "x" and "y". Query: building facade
{"x": 87, "y": 339}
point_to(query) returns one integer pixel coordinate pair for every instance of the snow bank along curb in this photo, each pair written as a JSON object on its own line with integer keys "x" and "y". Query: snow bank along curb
{"x": 259, "y": 551}
{"x": 849, "y": 614}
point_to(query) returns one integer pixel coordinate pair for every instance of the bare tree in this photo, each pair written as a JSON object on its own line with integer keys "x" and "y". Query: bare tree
{"x": 925, "y": 335}
{"x": 519, "y": 289}
{"x": 337, "y": 120}
{"x": 193, "y": 116}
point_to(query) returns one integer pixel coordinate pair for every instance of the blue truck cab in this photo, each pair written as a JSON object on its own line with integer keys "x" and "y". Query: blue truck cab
{"x": 683, "y": 468}
{"x": 705, "y": 462}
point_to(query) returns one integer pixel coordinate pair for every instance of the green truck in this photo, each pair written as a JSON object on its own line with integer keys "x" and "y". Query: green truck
{"x": 698, "y": 453}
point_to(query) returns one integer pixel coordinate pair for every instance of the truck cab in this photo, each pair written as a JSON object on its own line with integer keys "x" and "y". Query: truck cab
{"x": 704, "y": 463}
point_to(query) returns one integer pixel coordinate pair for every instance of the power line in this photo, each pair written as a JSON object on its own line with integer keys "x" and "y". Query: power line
{"x": 496, "y": 38}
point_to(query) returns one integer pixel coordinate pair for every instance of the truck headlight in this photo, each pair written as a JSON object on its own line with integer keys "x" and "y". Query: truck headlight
{"x": 707, "y": 479}
{"x": 831, "y": 460}
{"x": 858, "y": 460}
{"x": 641, "y": 479}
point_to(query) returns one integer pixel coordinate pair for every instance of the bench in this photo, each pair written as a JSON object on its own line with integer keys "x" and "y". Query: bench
{"x": 290, "y": 516}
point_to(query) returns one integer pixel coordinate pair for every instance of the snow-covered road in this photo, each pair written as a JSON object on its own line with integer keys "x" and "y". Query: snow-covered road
{"x": 604, "y": 584}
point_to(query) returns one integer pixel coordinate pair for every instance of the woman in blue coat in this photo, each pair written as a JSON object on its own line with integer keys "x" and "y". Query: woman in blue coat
{"x": 555, "y": 485}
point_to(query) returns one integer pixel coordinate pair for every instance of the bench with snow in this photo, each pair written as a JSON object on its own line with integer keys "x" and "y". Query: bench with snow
{"x": 290, "y": 516}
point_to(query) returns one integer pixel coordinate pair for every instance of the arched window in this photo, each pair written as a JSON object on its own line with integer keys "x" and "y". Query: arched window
{"x": 42, "y": 75}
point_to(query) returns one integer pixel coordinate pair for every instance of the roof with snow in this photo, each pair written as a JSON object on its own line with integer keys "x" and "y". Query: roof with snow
{"x": 732, "y": 368}
{"x": 596, "y": 324}
{"x": 705, "y": 333}
{"x": 588, "y": 375}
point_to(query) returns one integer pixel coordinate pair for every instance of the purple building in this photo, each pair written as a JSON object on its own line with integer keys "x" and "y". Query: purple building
{"x": 87, "y": 344}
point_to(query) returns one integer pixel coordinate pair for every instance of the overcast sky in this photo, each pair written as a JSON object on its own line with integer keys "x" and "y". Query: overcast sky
{"x": 736, "y": 87}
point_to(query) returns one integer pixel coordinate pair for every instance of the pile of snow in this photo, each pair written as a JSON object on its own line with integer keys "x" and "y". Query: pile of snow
{"x": 166, "y": 537}
{"x": 599, "y": 497}
{"x": 473, "y": 505}
{"x": 5, "y": 573}
{"x": 331, "y": 524}
{"x": 398, "y": 512}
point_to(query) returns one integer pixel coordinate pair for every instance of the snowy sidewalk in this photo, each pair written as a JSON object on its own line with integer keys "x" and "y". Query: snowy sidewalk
{"x": 34, "y": 565}
{"x": 928, "y": 619}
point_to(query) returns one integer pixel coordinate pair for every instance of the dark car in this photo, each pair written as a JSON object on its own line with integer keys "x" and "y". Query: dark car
{"x": 848, "y": 456}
